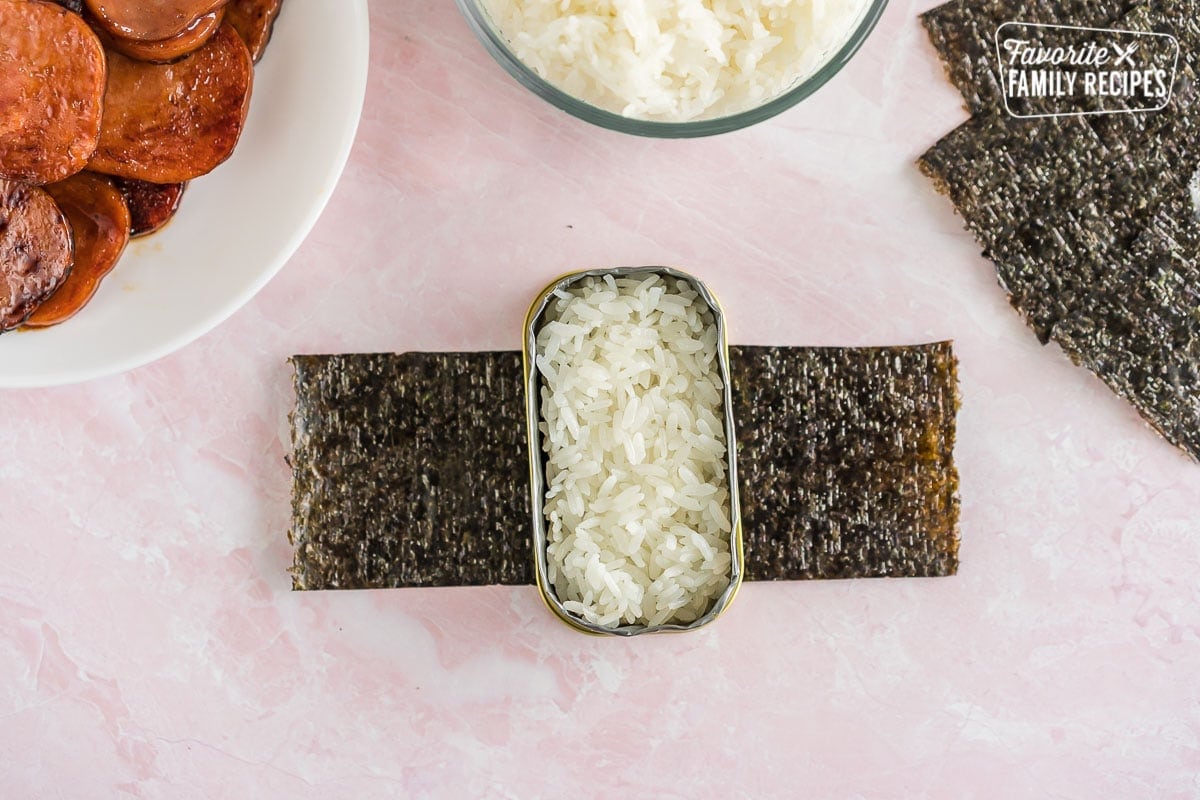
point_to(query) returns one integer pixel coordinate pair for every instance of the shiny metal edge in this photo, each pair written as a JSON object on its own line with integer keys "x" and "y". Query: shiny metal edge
{"x": 537, "y": 476}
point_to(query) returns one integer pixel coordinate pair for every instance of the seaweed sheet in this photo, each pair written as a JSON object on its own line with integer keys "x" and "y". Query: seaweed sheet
{"x": 1129, "y": 132}
{"x": 411, "y": 470}
{"x": 1087, "y": 221}
{"x": 1110, "y": 273}
{"x": 1056, "y": 210}
{"x": 846, "y": 461}
{"x": 963, "y": 34}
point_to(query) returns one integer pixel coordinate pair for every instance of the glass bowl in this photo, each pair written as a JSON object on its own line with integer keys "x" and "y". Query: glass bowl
{"x": 494, "y": 42}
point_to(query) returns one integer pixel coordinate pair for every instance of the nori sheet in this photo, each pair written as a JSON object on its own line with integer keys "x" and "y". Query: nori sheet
{"x": 1054, "y": 209}
{"x": 846, "y": 461}
{"x": 1139, "y": 328}
{"x": 411, "y": 469}
{"x": 1085, "y": 220}
{"x": 963, "y": 34}
{"x": 1131, "y": 131}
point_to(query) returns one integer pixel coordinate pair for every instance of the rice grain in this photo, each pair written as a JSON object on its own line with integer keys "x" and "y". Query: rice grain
{"x": 637, "y": 502}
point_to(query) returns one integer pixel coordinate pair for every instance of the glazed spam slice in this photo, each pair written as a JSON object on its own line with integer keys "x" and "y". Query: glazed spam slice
{"x": 99, "y": 223}
{"x": 52, "y": 70}
{"x": 164, "y": 51}
{"x": 253, "y": 20}
{"x": 168, "y": 123}
{"x": 149, "y": 21}
{"x": 35, "y": 250}
{"x": 151, "y": 205}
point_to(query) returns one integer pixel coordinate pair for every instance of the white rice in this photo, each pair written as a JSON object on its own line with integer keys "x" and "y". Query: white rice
{"x": 675, "y": 60}
{"x": 632, "y": 421}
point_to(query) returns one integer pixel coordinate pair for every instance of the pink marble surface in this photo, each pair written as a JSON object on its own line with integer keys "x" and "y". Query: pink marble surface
{"x": 150, "y": 647}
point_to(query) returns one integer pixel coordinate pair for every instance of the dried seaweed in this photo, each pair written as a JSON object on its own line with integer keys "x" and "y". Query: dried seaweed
{"x": 1074, "y": 235}
{"x": 1035, "y": 197}
{"x": 846, "y": 461}
{"x": 1129, "y": 132}
{"x": 411, "y": 470}
{"x": 1087, "y": 221}
{"x": 1139, "y": 328}
{"x": 963, "y": 33}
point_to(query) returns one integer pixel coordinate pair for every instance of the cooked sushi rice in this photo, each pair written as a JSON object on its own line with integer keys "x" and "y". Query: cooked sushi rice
{"x": 632, "y": 421}
{"x": 675, "y": 60}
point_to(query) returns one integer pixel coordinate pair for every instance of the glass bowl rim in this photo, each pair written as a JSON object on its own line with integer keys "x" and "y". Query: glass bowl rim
{"x": 477, "y": 20}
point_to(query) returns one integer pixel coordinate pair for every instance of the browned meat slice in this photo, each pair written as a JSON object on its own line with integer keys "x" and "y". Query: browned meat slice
{"x": 35, "y": 250}
{"x": 151, "y": 205}
{"x": 51, "y": 88}
{"x": 253, "y": 20}
{"x": 99, "y": 223}
{"x": 165, "y": 51}
{"x": 168, "y": 123}
{"x": 148, "y": 21}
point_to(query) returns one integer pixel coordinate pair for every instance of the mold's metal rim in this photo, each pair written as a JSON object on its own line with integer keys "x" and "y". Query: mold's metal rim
{"x": 536, "y": 471}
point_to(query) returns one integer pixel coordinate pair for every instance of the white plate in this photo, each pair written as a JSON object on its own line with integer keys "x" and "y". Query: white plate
{"x": 238, "y": 225}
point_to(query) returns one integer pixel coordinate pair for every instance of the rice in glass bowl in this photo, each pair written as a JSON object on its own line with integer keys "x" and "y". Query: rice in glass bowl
{"x": 672, "y": 68}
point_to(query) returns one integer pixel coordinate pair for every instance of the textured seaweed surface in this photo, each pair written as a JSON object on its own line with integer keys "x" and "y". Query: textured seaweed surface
{"x": 411, "y": 469}
{"x": 846, "y": 461}
{"x": 963, "y": 33}
{"x": 1091, "y": 228}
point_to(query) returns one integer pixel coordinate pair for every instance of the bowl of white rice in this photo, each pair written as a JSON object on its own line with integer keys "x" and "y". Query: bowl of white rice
{"x": 672, "y": 68}
{"x": 633, "y": 458}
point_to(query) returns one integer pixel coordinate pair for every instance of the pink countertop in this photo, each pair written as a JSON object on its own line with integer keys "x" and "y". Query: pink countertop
{"x": 150, "y": 646}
